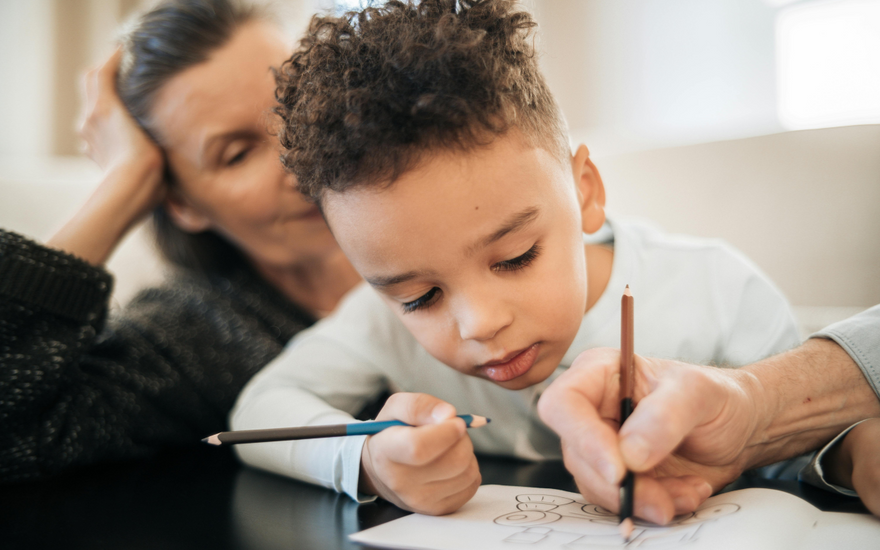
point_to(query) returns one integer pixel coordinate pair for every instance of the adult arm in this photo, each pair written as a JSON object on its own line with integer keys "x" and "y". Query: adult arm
{"x": 695, "y": 429}
{"x": 133, "y": 165}
{"x": 75, "y": 389}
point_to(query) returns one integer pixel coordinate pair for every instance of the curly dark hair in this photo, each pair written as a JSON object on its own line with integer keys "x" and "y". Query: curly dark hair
{"x": 367, "y": 93}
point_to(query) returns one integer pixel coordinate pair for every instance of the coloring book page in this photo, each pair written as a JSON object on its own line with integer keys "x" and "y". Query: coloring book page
{"x": 502, "y": 517}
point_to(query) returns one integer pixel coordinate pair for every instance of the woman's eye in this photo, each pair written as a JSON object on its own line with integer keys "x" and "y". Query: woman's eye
{"x": 519, "y": 262}
{"x": 422, "y": 302}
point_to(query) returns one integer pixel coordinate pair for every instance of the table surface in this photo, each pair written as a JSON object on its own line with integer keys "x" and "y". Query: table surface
{"x": 203, "y": 498}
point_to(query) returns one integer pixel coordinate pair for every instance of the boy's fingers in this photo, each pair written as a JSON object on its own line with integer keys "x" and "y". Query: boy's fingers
{"x": 418, "y": 446}
{"x": 454, "y": 462}
{"x": 416, "y": 409}
{"x": 664, "y": 417}
{"x": 458, "y": 499}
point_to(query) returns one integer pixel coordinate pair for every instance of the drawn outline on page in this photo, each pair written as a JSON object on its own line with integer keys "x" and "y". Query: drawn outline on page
{"x": 563, "y": 513}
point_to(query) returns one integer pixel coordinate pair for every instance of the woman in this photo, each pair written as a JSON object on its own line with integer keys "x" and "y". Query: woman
{"x": 256, "y": 262}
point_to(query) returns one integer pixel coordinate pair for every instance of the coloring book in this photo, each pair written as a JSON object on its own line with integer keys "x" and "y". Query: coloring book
{"x": 502, "y": 517}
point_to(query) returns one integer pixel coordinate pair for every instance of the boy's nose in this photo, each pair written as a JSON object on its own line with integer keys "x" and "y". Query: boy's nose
{"x": 482, "y": 319}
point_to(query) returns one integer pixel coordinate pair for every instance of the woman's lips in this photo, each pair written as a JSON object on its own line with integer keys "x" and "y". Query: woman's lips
{"x": 519, "y": 364}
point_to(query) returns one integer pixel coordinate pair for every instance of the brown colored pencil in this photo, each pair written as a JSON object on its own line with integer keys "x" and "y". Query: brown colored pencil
{"x": 627, "y": 381}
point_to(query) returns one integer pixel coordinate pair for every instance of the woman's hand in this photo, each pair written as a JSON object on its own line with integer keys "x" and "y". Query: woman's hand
{"x": 855, "y": 463}
{"x": 111, "y": 136}
{"x": 686, "y": 438}
{"x": 133, "y": 167}
{"x": 429, "y": 468}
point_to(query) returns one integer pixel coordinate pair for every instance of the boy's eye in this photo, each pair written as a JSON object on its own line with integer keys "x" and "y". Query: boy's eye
{"x": 519, "y": 262}
{"x": 237, "y": 156}
{"x": 422, "y": 302}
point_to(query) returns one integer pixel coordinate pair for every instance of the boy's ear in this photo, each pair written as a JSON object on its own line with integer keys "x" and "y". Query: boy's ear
{"x": 184, "y": 214}
{"x": 590, "y": 190}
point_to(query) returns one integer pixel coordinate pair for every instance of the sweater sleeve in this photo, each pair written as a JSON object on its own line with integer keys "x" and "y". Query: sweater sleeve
{"x": 77, "y": 389}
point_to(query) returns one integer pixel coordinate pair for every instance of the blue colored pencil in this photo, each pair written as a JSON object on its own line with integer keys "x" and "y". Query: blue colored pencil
{"x": 314, "y": 432}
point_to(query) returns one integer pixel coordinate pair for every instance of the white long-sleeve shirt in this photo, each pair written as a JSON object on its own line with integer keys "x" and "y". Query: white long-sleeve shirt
{"x": 697, "y": 300}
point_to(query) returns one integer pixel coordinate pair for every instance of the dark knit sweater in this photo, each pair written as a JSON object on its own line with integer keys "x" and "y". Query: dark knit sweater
{"x": 77, "y": 389}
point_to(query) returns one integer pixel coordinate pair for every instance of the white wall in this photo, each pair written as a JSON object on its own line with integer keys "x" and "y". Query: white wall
{"x": 26, "y": 82}
{"x": 805, "y": 206}
{"x": 643, "y": 74}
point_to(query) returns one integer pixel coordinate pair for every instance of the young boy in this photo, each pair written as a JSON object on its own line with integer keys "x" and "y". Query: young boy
{"x": 441, "y": 162}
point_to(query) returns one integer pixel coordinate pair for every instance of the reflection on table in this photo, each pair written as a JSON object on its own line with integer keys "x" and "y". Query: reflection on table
{"x": 203, "y": 498}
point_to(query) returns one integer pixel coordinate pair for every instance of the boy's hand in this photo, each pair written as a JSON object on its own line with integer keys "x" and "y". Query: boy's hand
{"x": 855, "y": 463}
{"x": 687, "y": 437}
{"x": 429, "y": 468}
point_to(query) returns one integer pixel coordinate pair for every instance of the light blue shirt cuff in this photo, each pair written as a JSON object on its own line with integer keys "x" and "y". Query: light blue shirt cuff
{"x": 350, "y": 468}
{"x": 859, "y": 336}
{"x": 813, "y": 473}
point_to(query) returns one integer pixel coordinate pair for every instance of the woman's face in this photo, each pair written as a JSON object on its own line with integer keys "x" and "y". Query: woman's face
{"x": 213, "y": 121}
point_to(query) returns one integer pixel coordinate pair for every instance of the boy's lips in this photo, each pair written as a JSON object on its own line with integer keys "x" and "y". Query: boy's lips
{"x": 513, "y": 365}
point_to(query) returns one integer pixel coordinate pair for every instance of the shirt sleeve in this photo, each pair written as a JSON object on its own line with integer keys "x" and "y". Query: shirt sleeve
{"x": 324, "y": 376}
{"x": 859, "y": 336}
{"x": 759, "y": 319}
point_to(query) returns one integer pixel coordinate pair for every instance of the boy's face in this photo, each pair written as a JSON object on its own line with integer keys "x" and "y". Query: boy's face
{"x": 480, "y": 254}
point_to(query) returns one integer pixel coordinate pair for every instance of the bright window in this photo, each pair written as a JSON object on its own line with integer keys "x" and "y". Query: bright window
{"x": 828, "y": 63}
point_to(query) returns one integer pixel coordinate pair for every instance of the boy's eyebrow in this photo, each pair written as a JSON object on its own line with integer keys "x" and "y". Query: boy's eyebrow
{"x": 514, "y": 223}
{"x": 391, "y": 280}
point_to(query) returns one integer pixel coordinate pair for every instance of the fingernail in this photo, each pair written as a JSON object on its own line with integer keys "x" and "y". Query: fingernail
{"x": 704, "y": 490}
{"x": 442, "y": 411}
{"x": 608, "y": 471}
{"x": 635, "y": 450}
{"x": 653, "y": 514}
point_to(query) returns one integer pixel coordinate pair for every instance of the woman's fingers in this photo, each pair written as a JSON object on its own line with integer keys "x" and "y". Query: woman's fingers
{"x": 684, "y": 398}
{"x": 580, "y": 407}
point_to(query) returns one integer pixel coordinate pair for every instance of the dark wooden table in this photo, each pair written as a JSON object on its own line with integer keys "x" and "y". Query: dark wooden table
{"x": 203, "y": 498}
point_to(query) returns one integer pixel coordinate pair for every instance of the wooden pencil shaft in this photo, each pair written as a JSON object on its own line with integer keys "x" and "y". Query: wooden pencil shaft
{"x": 627, "y": 367}
{"x": 316, "y": 432}
{"x": 627, "y": 383}
{"x": 281, "y": 434}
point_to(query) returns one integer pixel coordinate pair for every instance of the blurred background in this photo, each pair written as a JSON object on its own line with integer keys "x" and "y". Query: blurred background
{"x": 755, "y": 121}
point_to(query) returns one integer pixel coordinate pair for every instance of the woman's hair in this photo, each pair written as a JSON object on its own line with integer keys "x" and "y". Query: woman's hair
{"x": 160, "y": 44}
{"x": 367, "y": 94}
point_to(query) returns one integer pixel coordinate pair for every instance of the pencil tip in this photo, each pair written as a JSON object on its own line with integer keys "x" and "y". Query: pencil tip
{"x": 212, "y": 440}
{"x": 478, "y": 421}
{"x": 626, "y": 291}
{"x": 626, "y": 529}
